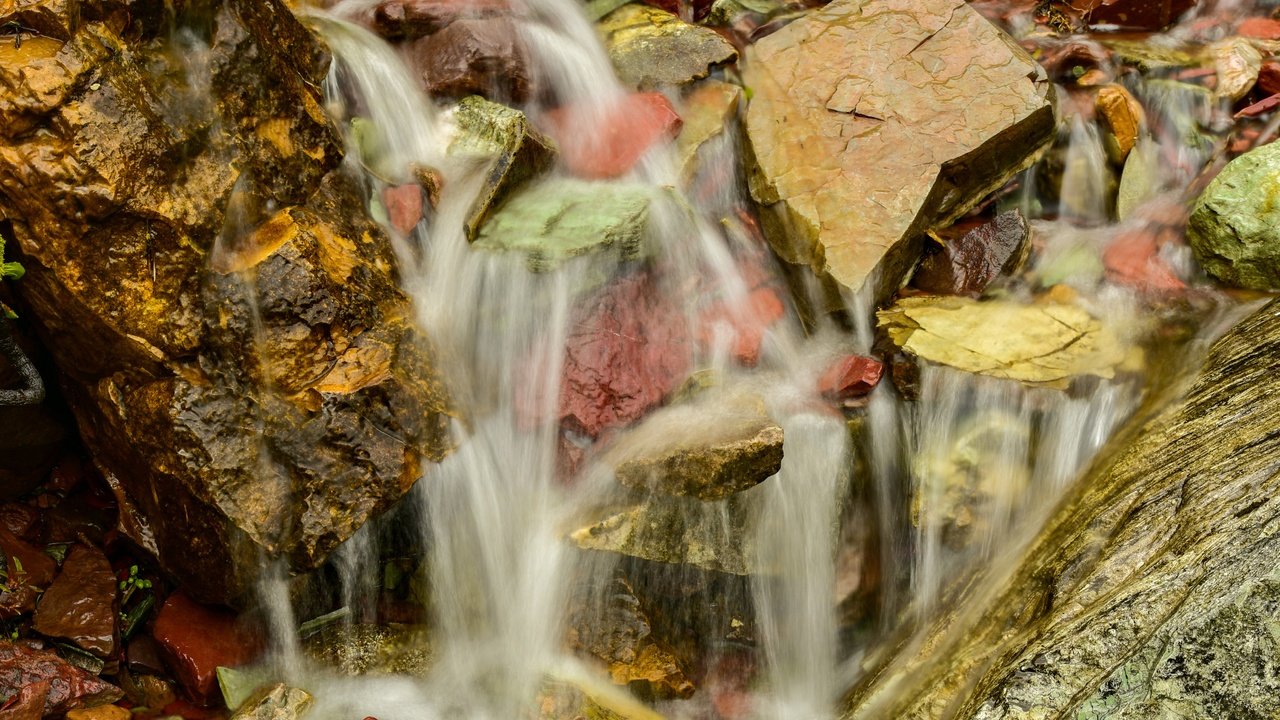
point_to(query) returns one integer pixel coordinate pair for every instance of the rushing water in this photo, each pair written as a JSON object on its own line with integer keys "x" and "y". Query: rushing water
{"x": 949, "y": 481}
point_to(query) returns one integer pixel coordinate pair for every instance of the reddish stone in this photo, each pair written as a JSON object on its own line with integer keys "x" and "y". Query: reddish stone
{"x": 761, "y": 309}
{"x": 850, "y": 376}
{"x": 1133, "y": 259}
{"x": 1134, "y": 14}
{"x": 629, "y": 349}
{"x": 69, "y": 686}
{"x": 608, "y": 147}
{"x": 1269, "y": 77}
{"x": 1260, "y": 28}
{"x": 30, "y": 572}
{"x": 968, "y": 264}
{"x": 411, "y": 19}
{"x": 28, "y": 704}
{"x": 1261, "y": 107}
{"x": 196, "y": 639}
{"x": 404, "y": 206}
{"x": 476, "y": 56}
{"x": 80, "y": 605}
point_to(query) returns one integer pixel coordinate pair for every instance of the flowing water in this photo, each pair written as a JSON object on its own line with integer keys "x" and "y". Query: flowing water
{"x": 949, "y": 482}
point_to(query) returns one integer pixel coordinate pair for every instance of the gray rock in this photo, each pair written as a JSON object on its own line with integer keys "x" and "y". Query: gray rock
{"x": 651, "y": 47}
{"x": 1235, "y": 226}
{"x": 275, "y": 702}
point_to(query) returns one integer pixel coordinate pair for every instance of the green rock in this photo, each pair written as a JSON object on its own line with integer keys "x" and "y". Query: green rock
{"x": 1140, "y": 180}
{"x": 508, "y": 149}
{"x": 651, "y": 47}
{"x": 238, "y": 684}
{"x": 561, "y": 218}
{"x": 1235, "y": 226}
{"x": 275, "y": 702}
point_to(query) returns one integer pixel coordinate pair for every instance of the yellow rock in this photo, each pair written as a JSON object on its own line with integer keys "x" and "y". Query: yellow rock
{"x": 101, "y": 712}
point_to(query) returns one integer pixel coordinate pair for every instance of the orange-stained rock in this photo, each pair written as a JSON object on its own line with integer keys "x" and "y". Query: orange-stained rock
{"x": 1123, "y": 116}
{"x": 196, "y": 639}
{"x": 873, "y": 120}
{"x": 607, "y": 147}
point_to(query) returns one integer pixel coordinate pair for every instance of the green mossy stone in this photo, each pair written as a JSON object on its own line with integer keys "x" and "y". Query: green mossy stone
{"x": 1235, "y": 226}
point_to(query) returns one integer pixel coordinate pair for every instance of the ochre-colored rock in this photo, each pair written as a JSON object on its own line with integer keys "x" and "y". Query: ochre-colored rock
{"x": 68, "y": 686}
{"x": 651, "y": 47}
{"x": 197, "y": 639}
{"x": 80, "y": 605}
{"x": 1124, "y": 119}
{"x": 100, "y": 712}
{"x": 872, "y": 121}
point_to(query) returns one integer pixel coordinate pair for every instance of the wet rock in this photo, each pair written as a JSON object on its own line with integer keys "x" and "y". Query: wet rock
{"x": 412, "y": 19}
{"x": 1133, "y": 14}
{"x": 651, "y": 47}
{"x": 1045, "y": 343}
{"x": 557, "y": 219}
{"x": 68, "y": 686}
{"x": 56, "y": 19}
{"x": 1133, "y": 258}
{"x": 372, "y": 649}
{"x": 31, "y": 436}
{"x": 745, "y": 322}
{"x": 607, "y": 147}
{"x": 1235, "y": 226}
{"x": 196, "y": 640}
{"x": 707, "y": 111}
{"x": 1260, "y": 28}
{"x": 28, "y": 704}
{"x": 968, "y": 264}
{"x": 508, "y": 150}
{"x": 29, "y": 572}
{"x": 110, "y": 145}
{"x": 1140, "y": 180}
{"x": 1123, "y": 117}
{"x": 100, "y": 712}
{"x": 708, "y": 449}
{"x": 850, "y": 376}
{"x": 627, "y": 350}
{"x": 80, "y": 605}
{"x": 404, "y": 206}
{"x": 1148, "y": 590}
{"x": 475, "y": 56}
{"x": 873, "y": 120}
{"x": 149, "y": 691}
{"x": 1237, "y": 63}
{"x": 275, "y": 702}
{"x": 1269, "y": 77}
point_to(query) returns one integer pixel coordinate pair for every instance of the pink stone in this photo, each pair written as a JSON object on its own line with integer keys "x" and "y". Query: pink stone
{"x": 609, "y": 147}
{"x": 850, "y": 376}
{"x": 404, "y": 206}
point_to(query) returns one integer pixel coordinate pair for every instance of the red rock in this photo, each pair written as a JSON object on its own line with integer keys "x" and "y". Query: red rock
{"x": 609, "y": 147}
{"x": 404, "y": 206}
{"x": 1133, "y": 14}
{"x": 850, "y": 376}
{"x": 196, "y": 639}
{"x": 762, "y": 308}
{"x": 629, "y": 349}
{"x": 1261, "y": 107}
{"x": 30, "y": 572}
{"x": 69, "y": 686}
{"x": 411, "y": 19}
{"x": 475, "y": 56}
{"x": 968, "y": 264}
{"x": 80, "y": 605}
{"x": 1260, "y": 28}
{"x": 19, "y": 518}
{"x": 28, "y": 704}
{"x": 1269, "y": 77}
{"x": 1133, "y": 259}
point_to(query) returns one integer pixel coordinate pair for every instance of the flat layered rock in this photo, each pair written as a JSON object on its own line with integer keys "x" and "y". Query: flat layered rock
{"x": 651, "y": 47}
{"x": 873, "y": 120}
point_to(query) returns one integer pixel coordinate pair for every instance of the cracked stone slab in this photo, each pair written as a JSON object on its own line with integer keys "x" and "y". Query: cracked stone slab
{"x": 873, "y": 120}
{"x": 1045, "y": 343}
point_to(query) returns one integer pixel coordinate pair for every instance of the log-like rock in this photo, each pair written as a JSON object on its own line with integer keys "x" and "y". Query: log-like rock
{"x": 1151, "y": 592}
{"x": 872, "y": 121}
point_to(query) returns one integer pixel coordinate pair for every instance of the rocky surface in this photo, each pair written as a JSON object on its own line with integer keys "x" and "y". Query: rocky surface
{"x": 872, "y": 121}
{"x": 707, "y": 111}
{"x": 650, "y": 47}
{"x": 1235, "y": 226}
{"x": 1144, "y": 594}
{"x": 100, "y": 149}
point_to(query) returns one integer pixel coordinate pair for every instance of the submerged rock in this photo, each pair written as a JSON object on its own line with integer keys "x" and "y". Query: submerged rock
{"x": 1044, "y": 343}
{"x": 968, "y": 264}
{"x": 80, "y": 605}
{"x": 68, "y": 686}
{"x": 651, "y": 47}
{"x": 1133, "y": 14}
{"x": 1150, "y": 592}
{"x": 508, "y": 149}
{"x": 610, "y": 146}
{"x": 873, "y": 120}
{"x": 372, "y": 649}
{"x": 475, "y": 56}
{"x": 1235, "y": 226}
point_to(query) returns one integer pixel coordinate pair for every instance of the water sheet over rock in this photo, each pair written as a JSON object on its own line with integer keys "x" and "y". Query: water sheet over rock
{"x": 873, "y": 120}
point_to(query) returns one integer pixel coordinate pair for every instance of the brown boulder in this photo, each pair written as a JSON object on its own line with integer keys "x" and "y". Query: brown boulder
{"x": 968, "y": 264}
{"x": 80, "y": 605}
{"x": 475, "y": 56}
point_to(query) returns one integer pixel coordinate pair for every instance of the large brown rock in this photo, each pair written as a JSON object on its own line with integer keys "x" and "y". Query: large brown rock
{"x": 80, "y": 605}
{"x": 475, "y": 56}
{"x": 872, "y": 121}
{"x": 238, "y": 354}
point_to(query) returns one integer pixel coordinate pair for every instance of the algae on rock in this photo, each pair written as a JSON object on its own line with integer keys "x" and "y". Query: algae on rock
{"x": 1235, "y": 226}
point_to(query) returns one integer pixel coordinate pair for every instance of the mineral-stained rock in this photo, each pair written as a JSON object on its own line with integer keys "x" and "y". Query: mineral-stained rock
{"x": 708, "y": 449}
{"x": 69, "y": 686}
{"x": 28, "y": 704}
{"x": 1151, "y": 590}
{"x": 475, "y": 56}
{"x": 197, "y": 640}
{"x": 1045, "y": 343}
{"x": 1124, "y": 119}
{"x": 125, "y": 181}
{"x": 651, "y": 47}
{"x": 1235, "y": 226}
{"x": 411, "y": 19}
{"x": 404, "y": 206}
{"x": 872, "y": 121}
{"x": 609, "y": 146}
{"x": 1260, "y": 28}
{"x": 80, "y": 605}
{"x": 508, "y": 148}
{"x": 275, "y": 702}
{"x": 968, "y": 264}
{"x": 1269, "y": 76}
{"x": 560, "y": 218}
